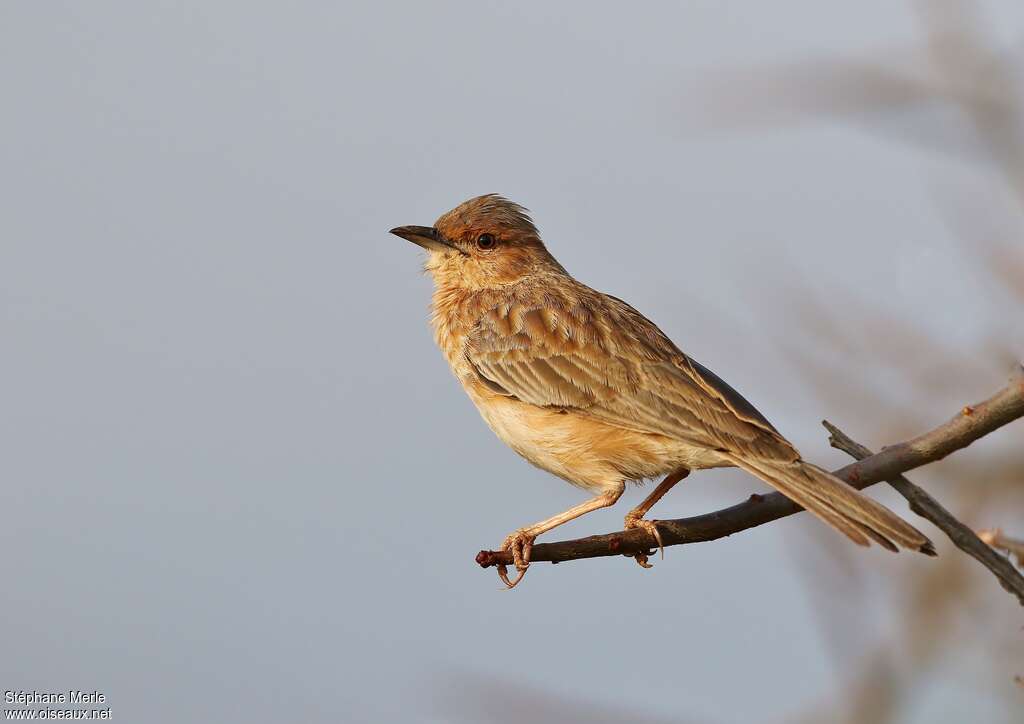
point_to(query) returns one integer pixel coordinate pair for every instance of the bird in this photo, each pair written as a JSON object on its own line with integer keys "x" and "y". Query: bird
{"x": 582, "y": 385}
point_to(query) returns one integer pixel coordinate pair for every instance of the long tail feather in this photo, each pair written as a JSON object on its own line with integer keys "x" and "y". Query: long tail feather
{"x": 844, "y": 508}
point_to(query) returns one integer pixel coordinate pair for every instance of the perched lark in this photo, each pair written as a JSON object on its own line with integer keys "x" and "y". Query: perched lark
{"x": 584, "y": 386}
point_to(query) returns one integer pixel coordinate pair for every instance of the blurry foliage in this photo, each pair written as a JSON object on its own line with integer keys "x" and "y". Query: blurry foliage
{"x": 952, "y": 611}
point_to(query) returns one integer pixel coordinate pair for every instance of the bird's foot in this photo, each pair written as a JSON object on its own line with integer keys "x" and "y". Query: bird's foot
{"x": 651, "y": 526}
{"x": 519, "y": 544}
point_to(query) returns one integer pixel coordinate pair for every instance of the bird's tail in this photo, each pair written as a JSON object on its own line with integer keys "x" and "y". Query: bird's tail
{"x": 846, "y": 509}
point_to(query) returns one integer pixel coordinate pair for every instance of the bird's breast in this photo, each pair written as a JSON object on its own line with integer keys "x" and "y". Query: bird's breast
{"x": 454, "y": 313}
{"x": 579, "y": 448}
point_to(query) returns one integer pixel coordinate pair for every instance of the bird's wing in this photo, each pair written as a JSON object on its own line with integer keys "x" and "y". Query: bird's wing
{"x": 604, "y": 359}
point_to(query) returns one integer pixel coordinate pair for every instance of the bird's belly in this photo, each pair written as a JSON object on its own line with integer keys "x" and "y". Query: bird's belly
{"x": 582, "y": 450}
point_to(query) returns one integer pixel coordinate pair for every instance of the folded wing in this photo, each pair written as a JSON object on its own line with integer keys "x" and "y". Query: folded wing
{"x": 605, "y": 359}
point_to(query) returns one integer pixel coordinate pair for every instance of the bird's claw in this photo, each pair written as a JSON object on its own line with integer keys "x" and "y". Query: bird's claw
{"x": 519, "y": 544}
{"x": 651, "y": 527}
{"x": 503, "y": 575}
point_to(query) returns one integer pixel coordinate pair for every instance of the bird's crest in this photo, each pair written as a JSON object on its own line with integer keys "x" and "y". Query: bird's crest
{"x": 487, "y": 212}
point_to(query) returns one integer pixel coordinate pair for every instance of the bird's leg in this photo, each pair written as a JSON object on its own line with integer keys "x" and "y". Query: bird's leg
{"x": 520, "y": 542}
{"x": 635, "y": 517}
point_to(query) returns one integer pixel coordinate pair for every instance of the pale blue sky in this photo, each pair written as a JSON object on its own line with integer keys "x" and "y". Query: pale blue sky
{"x": 239, "y": 482}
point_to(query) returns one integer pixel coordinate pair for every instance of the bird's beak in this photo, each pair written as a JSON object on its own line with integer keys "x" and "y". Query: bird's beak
{"x": 425, "y": 236}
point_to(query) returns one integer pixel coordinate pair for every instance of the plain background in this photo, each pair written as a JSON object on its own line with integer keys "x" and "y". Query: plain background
{"x": 239, "y": 482}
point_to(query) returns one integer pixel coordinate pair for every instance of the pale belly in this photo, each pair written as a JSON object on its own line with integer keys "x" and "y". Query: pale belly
{"x": 582, "y": 450}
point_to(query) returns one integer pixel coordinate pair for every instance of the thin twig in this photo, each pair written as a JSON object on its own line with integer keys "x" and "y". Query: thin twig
{"x": 971, "y": 423}
{"x": 928, "y": 507}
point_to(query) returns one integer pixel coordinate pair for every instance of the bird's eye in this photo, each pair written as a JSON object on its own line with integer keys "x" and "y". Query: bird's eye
{"x": 486, "y": 241}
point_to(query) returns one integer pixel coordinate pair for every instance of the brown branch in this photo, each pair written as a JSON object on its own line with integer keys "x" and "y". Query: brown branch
{"x": 928, "y": 507}
{"x": 971, "y": 423}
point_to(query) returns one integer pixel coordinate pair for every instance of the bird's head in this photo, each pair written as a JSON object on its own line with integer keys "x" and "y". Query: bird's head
{"x": 484, "y": 243}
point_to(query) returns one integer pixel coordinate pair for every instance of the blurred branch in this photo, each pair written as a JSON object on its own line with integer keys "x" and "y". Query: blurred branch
{"x": 899, "y": 91}
{"x": 928, "y": 507}
{"x": 970, "y": 424}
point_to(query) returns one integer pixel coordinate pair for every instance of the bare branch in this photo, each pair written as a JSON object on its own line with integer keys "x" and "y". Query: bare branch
{"x": 970, "y": 424}
{"x": 928, "y": 507}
